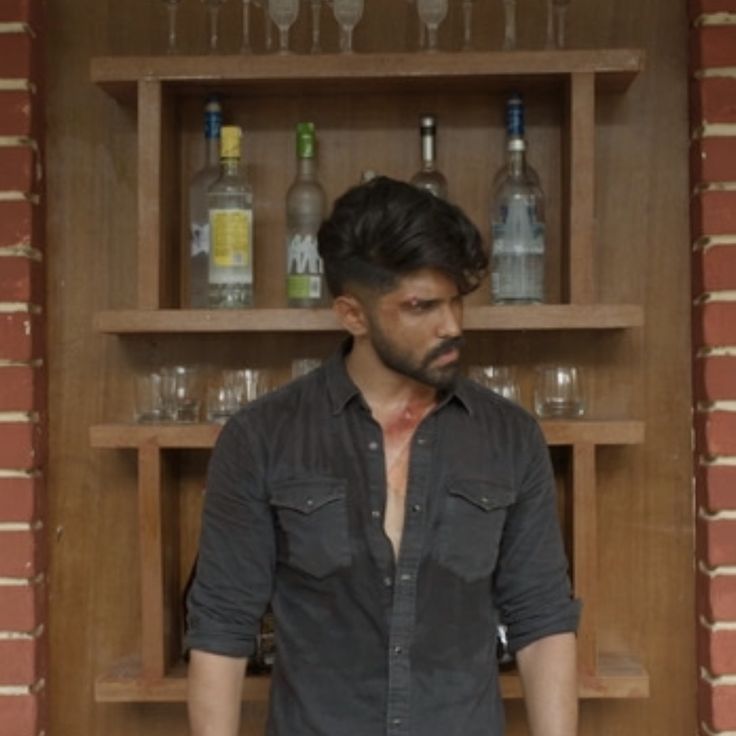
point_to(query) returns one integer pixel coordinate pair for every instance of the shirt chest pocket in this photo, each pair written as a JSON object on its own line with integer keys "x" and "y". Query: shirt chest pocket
{"x": 312, "y": 524}
{"x": 471, "y": 526}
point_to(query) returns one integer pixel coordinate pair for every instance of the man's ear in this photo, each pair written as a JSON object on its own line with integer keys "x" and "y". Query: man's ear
{"x": 351, "y": 314}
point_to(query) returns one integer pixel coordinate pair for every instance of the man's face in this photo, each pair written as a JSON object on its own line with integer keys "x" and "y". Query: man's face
{"x": 416, "y": 329}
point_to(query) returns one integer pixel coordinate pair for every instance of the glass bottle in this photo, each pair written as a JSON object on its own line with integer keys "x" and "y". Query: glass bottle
{"x": 199, "y": 223}
{"x": 305, "y": 208}
{"x": 230, "y": 207}
{"x": 429, "y": 177}
{"x": 517, "y": 221}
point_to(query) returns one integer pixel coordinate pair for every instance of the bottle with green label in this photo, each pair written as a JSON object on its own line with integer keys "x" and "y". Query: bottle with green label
{"x": 230, "y": 209}
{"x": 305, "y": 208}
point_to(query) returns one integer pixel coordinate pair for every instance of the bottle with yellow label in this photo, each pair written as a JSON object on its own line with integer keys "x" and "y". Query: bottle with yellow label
{"x": 230, "y": 208}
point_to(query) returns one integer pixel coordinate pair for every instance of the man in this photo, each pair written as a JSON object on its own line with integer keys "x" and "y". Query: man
{"x": 390, "y": 511}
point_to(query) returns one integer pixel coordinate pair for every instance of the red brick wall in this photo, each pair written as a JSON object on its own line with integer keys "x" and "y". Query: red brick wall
{"x": 713, "y": 168}
{"x": 23, "y": 558}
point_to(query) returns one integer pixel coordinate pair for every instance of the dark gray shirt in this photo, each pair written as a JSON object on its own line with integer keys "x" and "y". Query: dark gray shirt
{"x": 369, "y": 646}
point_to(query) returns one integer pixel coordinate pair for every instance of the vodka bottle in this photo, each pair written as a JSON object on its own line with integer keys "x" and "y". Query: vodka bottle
{"x": 230, "y": 207}
{"x": 305, "y": 208}
{"x": 517, "y": 221}
{"x": 429, "y": 177}
{"x": 199, "y": 224}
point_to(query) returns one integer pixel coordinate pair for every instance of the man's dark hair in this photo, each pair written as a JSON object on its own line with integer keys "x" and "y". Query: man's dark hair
{"x": 386, "y": 229}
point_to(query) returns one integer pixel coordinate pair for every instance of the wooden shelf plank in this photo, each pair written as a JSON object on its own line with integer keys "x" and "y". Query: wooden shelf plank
{"x": 202, "y": 436}
{"x": 617, "y": 676}
{"x": 615, "y": 70}
{"x": 477, "y": 318}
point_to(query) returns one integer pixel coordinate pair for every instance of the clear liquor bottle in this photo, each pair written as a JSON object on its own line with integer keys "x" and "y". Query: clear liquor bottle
{"x": 517, "y": 221}
{"x": 230, "y": 207}
{"x": 305, "y": 209}
{"x": 199, "y": 223}
{"x": 429, "y": 177}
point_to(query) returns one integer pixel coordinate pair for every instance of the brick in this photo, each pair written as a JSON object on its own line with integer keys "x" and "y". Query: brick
{"x": 17, "y": 169}
{"x": 714, "y": 99}
{"x": 22, "y": 553}
{"x": 16, "y": 56}
{"x": 717, "y": 706}
{"x": 17, "y": 113}
{"x": 21, "y": 387}
{"x": 21, "y": 714}
{"x": 699, "y": 7}
{"x": 717, "y": 650}
{"x": 714, "y": 268}
{"x": 714, "y": 378}
{"x": 21, "y": 280}
{"x": 713, "y": 159}
{"x": 715, "y": 433}
{"x": 716, "y": 541}
{"x": 713, "y": 46}
{"x": 20, "y": 445}
{"x": 716, "y": 596}
{"x": 21, "y": 499}
{"x": 20, "y": 224}
{"x": 714, "y": 212}
{"x": 714, "y": 324}
{"x": 22, "y": 607}
{"x": 20, "y": 661}
{"x": 21, "y": 336}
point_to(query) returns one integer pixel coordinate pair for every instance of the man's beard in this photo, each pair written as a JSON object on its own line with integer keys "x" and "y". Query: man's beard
{"x": 441, "y": 377}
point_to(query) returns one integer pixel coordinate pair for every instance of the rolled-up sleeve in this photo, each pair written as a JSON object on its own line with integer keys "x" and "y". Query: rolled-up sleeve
{"x": 532, "y": 586}
{"x": 234, "y": 574}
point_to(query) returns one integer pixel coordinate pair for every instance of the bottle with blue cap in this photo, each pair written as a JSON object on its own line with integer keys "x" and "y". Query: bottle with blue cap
{"x": 517, "y": 220}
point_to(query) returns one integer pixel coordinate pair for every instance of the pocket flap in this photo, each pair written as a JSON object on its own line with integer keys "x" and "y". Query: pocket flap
{"x": 484, "y": 494}
{"x": 307, "y": 494}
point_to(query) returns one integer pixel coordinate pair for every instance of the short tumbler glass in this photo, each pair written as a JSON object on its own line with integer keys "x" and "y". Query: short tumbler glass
{"x": 558, "y": 392}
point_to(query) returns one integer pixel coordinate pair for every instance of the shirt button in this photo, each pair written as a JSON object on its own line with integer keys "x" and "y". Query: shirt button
{"x": 373, "y": 445}
{"x": 416, "y": 508}
{"x": 388, "y": 582}
{"x": 376, "y": 514}
{"x": 398, "y": 650}
{"x": 310, "y": 502}
{"x": 396, "y": 721}
{"x": 422, "y": 441}
{"x": 406, "y": 577}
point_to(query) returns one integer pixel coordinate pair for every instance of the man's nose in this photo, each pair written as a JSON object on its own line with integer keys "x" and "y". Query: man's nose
{"x": 451, "y": 324}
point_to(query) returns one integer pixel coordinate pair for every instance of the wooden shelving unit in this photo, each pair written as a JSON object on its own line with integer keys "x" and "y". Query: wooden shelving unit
{"x": 158, "y": 87}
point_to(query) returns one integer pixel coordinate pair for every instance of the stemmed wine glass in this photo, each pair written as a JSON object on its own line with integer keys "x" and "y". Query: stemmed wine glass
{"x": 432, "y": 13}
{"x": 316, "y": 8}
{"x": 467, "y": 25}
{"x": 348, "y": 14}
{"x": 172, "y": 6}
{"x": 283, "y": 13}
{"x": 213, "y": 9}
{"x": 245, "y": 47}
{"x": 509, "y": 36}
{"x": 556, "y": 17}
{"x": 267, "y": 25}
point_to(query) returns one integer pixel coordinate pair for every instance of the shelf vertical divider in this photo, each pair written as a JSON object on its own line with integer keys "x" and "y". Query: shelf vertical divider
{"x": 150, "y": 525}
{"x": 585, "y": 552}
{"x": 579, "y": 186}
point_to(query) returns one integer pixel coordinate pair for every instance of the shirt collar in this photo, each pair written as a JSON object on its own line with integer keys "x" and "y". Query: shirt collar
{"x": 342, "y": 390}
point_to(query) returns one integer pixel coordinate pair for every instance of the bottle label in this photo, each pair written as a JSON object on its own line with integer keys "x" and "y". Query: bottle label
{"x": 200, "y": 241}
{"x": 231, "y": 234}
{"x": 518, "y": 230}
{"x": 303, "y": 286}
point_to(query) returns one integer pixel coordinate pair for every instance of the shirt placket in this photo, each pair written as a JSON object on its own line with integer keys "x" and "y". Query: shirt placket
{"x": 403, "y": 611}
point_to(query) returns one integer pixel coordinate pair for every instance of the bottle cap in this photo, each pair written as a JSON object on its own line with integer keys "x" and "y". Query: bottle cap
{"x": 427, "y": 123}
{"x": 212, "y": 117}
{"x": 305, "y": 140}
{"x": 230, "y": 141}
{"x": 515, "y": 116}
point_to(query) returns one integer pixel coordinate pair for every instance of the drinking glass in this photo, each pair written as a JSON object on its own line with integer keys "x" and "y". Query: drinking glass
{"x": 560, "y": 12}
{"x": 245, "y": 46}
{"x": 432, "y": 13}
{"x": 467, "y": 25}
{"x": 182, "y": 394}
{"x": 421, "y": 40}
{"x": 213, "y": 10}
{"x": 316, "y": 8}
{"x": 558, "y": 392}
{"x": 222, "y": 401}
{"x": 348, "y": 14}
{"x": 172, "y": 7}
{"x": 509, "y": 35}
{"x": 498, "y": 378}
{"x": 267, "y": 25}
{"x": 247, "y": 383}
{"x": 150, "y": 404}
{"x": 283, "y": 13}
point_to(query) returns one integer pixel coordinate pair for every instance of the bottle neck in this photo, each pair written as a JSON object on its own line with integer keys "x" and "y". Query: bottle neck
{"x": 516, "y": 157}
{"x": 212, "y": 151}
{"x": 306, "y": 168}
{"x": 230, "y": 166}
{"x": 428, "y": 151}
